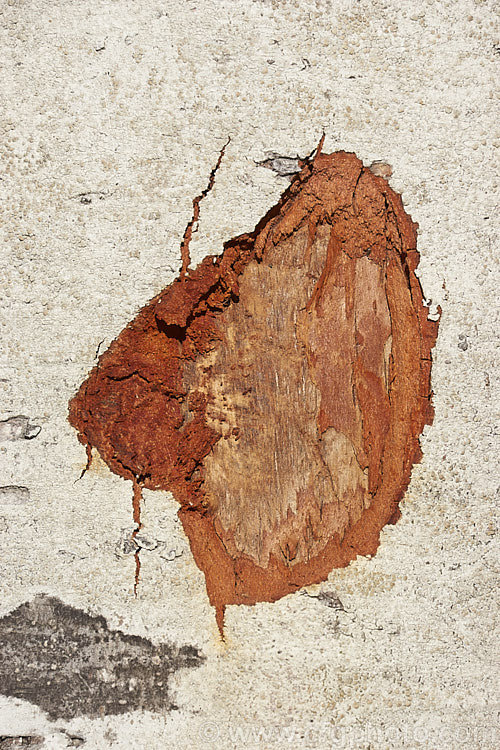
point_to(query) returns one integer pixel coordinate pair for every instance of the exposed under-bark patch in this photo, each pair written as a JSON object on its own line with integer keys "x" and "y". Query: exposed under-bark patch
{"x": 278, "y": 390}
{"x": 71, "y": 664}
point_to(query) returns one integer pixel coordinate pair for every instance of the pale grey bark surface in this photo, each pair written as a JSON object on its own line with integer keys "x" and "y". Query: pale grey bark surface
{"x": 113, "y": 114}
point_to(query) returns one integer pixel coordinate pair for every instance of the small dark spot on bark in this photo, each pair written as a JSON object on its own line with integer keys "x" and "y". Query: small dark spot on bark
{"x": 463, "y": 344}
{"x": 86, "y": 197}
{"x": 284, "y": 166}
{"x": 145, "y": 542}
{"x": 127, "y": 545}
{"x": 18, "y": 428}
{"x": 72, "y": 664}
{"x": 173, "y": 331}
{"x": 330, "y": 599}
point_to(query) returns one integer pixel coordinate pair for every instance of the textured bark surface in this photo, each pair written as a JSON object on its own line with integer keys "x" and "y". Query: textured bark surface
{"x": 278, "y": 390}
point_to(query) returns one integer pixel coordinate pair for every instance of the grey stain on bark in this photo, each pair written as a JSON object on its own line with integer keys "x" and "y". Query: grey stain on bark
{"x": 284, "y": 166}
{"x": 14, "y": 495}
{"x": 18, "y": 428}
{"x": 71, "y": 664}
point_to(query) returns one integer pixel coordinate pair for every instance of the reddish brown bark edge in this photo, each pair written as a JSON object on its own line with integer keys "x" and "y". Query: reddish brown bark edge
{"x": 136, "y": 410}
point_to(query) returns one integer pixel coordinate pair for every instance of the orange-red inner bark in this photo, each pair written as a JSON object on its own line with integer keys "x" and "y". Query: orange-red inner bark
{"x": 155, "y": 410}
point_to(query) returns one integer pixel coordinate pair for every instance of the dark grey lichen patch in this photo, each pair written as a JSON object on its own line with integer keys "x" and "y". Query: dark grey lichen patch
{"x": 71, "y": 664}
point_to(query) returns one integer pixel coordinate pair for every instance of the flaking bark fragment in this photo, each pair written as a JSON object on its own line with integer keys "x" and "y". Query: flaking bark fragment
{"x": 278, "y": 390}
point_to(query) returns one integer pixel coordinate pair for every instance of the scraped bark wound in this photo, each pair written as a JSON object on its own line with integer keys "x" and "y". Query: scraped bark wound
{"x": 279, "y": 389}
